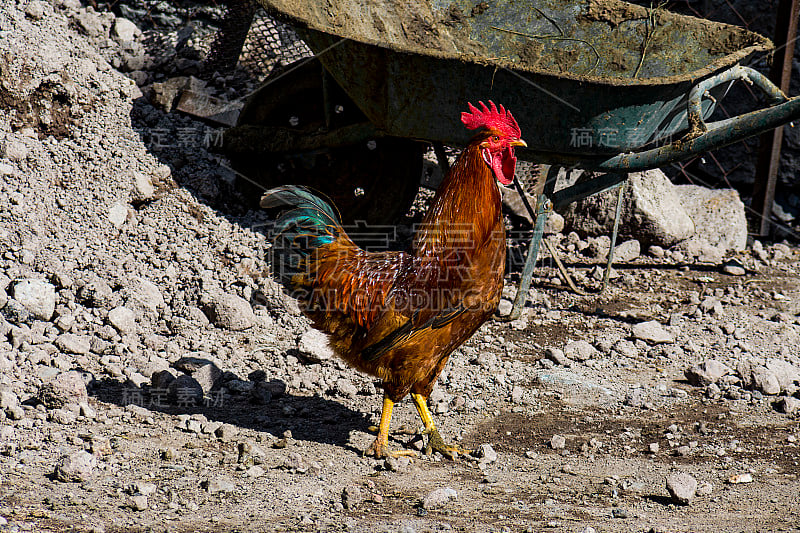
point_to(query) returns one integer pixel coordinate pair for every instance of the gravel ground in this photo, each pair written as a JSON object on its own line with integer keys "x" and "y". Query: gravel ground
{"x": 154, "y": 378}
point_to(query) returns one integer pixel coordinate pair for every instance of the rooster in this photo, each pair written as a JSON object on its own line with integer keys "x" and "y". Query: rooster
{"x": 394, "y": 315}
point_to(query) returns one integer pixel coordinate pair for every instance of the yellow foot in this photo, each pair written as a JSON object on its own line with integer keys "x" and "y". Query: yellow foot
{"x": 380, "y": 450}
{"x": 436, "y": 444}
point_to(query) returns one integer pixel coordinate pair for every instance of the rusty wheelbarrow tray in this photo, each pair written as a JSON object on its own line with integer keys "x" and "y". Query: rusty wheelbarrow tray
{"x": 597, "y": 84}
{"x": 594, "y": 79}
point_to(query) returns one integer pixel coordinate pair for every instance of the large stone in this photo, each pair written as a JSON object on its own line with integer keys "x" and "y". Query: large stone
{"x": 346, "y": 388}
{"x": 651, "y": 212}
{"x": 138, "y": 502}
{"x": 707, "y": 372}
{"x": 124, "y": 30}
{"x": 35, "y": 295}
{"x": 95, "y": 292}
{"x": 219, "y": 484}
{"x": 733, "y": 268}
{"x": 14, "y": 150}
{"x": 487, "y": 454}
{"x": 62, "y": 416}
{"x": 681, "y": 487}
{"x": 711, "y": 305}
{"x": 185, "y": 391}
{"x": 90, "y": 23}
{"x": 580, "y": 351}
{"x": 625, "y": 348}
{"x": 627, "y": 251}
{"x": 65, "y": 388}
{"x": 205, "y": 372}
{"x": 16, "y": 313}
{"x": 143, "y": 488}
{"x": 76, "y": 467}
{"x": 699, "y": 248}
{"x": 763, "y": 379}
{"x": 315, "y": 344}
{"x": 35, "y": 9}
{"x": 161, "y": 379}
{"x": 118, "y": 214}
{"x": 123, "y": 319}
{"x": 558, "y": 442}
{"x": 71, "y": 343}
{"x": 556, "y": 355}
{"x": 788, "y": 404}
{"x": 8, "y": 398}
{"x": 786, "y": 373}
{"x": 133, "y": 57}
{"x": 438, "y": 498}
{"x": 718, "y": 216}
{"x": 143, "y": 296}
{"x": 652, "y": 332}
{"x": 229, "y": 311}
{"x": 164, "y": 94}
{"x": 143, "y": 189}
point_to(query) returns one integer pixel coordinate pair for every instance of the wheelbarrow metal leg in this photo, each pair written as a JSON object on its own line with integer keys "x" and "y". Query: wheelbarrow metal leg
{"x": 617, "y": 216}
{"x": 326, "y": 96}
{"x": 543, "y": 210}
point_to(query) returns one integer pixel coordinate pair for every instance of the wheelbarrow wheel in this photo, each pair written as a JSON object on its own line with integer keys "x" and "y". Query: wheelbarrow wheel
{"x": 373, "y": 180}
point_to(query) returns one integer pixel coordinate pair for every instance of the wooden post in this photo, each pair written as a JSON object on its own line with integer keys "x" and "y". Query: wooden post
{"x": 769, "y": 153}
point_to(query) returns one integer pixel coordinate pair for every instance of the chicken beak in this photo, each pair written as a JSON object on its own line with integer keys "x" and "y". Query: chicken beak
{"x": 518, "y": 142}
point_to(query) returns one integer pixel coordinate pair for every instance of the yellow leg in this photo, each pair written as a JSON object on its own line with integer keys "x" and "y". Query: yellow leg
{"x": 422, "y": 408}
{"x": 380, "y": 448}
{"x": 435, "y": 442}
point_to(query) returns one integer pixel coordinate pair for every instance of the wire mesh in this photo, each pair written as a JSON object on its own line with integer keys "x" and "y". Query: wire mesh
{"x": 230, "y": 38}
{"x": 271, "y": 43}
{"x": 255, "y": 41}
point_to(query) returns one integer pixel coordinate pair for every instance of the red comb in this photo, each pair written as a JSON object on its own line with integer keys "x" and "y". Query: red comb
{"x": 492, "y": 118}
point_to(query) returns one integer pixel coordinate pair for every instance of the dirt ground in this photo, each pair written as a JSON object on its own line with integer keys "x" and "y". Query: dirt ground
{"x": 197, "y": 399}
{"x": 606, "y": 477}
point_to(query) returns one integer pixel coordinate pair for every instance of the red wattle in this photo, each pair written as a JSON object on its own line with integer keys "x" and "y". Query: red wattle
{"x": 503, "y": 164}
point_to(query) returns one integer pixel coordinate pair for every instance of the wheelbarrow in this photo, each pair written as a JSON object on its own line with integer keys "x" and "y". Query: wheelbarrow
{"x": 600, "y": 85}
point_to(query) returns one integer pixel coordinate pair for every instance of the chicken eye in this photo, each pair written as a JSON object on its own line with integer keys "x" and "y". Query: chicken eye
{"x": 495, "y": 138}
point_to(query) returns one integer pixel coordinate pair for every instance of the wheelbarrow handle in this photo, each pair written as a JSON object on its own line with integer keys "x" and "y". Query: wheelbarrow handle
{"x": 720, "y": 133}
{"x": 697, "y": 125}
{"x": 703, "y": 137}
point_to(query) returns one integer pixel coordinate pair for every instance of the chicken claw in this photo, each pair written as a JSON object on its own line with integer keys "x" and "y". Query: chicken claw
{"x": 437, "y": 444}
{"x": 380, "y": 450}
{"x": 380, "y": 447}
{"x": 435, "y": 441}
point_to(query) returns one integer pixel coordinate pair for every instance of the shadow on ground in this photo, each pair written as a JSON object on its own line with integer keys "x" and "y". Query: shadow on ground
{"x": 309, "y": 418}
